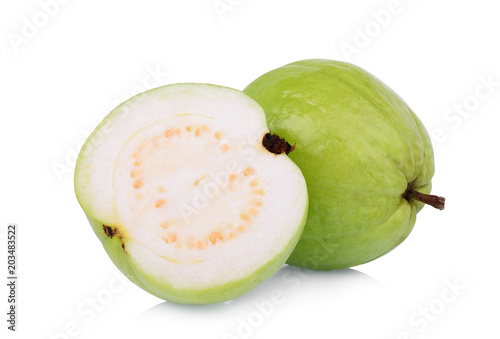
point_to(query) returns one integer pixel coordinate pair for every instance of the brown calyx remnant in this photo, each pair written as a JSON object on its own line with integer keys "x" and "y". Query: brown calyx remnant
{"x": 432, "y": 200}
{"x": 111, "y": 232}
{"x": 276, "y": 145}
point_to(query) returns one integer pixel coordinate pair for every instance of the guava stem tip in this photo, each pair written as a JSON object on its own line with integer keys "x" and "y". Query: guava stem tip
{"x": 428, "y": 199}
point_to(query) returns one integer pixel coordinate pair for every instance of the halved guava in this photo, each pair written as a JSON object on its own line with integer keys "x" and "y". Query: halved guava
{"x": 187, "y": 201}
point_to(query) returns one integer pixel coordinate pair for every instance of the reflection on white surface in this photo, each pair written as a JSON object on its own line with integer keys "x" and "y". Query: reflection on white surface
{"x": 276, "y": 307}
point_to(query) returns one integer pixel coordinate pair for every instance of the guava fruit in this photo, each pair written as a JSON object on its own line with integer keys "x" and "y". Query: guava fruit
{"x": 184, "y": 197}
{"x": 367, "y": 159}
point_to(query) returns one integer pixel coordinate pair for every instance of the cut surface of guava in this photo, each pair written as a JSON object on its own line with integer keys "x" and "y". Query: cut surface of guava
{"x": 186, "y": 200}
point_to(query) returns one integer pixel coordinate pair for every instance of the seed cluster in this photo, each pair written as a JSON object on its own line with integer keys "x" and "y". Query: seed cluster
{"x": 173, "y": 230}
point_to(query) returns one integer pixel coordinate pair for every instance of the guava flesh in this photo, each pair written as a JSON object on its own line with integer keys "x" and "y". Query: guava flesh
{"x": 186, "y": 200}
{"x": 364, "y": 153}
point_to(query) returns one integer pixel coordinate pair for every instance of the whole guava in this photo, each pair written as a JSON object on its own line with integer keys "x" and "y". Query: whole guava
{"x": 367, "y": 159}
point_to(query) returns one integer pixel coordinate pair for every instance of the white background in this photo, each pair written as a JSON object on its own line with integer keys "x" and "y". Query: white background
{"x": 61, "y": 76}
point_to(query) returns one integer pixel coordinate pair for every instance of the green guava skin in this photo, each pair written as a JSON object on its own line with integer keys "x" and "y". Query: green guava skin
{"x": 359, "y": 147}
{"x": 115, "y": 245}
